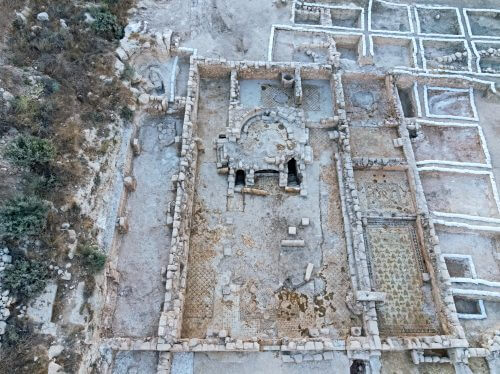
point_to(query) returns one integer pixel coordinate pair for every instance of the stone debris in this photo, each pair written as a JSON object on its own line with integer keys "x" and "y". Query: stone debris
{"x": 130, "y": 183}
{"x": 55, "y": 368}
{"x": 6, "y": 300}
{"x": 43, "y": 16}
{"x": 309, "y": 270}
{"x": 136, "y": 147}
{"x": 293, "y": 243}
{"x": 54, "y": 351}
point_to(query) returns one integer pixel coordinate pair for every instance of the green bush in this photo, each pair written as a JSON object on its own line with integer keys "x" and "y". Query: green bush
{"x": 106, "y": 24}
{"x": 30, "y": 152}
{"x": 26, "y": 278}
{"x": 92, "y": 258}
{"x": 126, "y": 113}
{"x": 23, "y": 215}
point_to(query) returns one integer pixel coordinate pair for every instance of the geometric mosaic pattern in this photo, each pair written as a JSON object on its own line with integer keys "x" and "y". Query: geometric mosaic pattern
{"x": 319, "y": 141}
{"x": 272, "y": 96}
{"x": 200, "y": 290}
{"x": 396, "y": 269}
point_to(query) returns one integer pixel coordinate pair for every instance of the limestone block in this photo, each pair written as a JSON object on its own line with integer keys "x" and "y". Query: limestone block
{"x": 43, "y": 16}
{"x": 136, "y": 146}
{"x": 122, "y": 225}
{"x": 397, "y": 142}
{"x": 292, "y": 243}
{"x": 309, "y": 270}
{"x": 308, "y": 357}
{"x": 309, "y": 346}
{"x": 328, "y": 355}
{"x": 143, "y": 99}
{"x": 54, "y": 368}
{"x": 40, "y": 310}
{"x": 298, "y": 358}
{"x": 370, "y": 296}
{"x": 130, "y": 183}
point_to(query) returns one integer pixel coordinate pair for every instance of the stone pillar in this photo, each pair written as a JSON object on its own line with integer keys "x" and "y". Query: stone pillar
{"x": 136, "y": 146}
{"x": 164, "y": 363}
{"x": 298, "y": 87}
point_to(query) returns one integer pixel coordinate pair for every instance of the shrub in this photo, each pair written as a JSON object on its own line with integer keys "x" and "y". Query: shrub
{"x": 50, "y": 86}
{"x": 106, "y": 24}
{"x": 30, "y": 151}
{"x": 25, "y": 111}
{"x": 92, "y": 258}
{"x": 40, "y": 185}
{"x": 128, "y": 72}
{"x": 23, "y": 215}
{"x": 48, "y": 41}
{"x": 126, "y": 113}
{"x": 26, "y": 278}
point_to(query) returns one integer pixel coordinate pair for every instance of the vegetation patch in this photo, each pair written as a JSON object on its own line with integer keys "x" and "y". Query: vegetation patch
{"x": 22, "y": 216}
{"x": 30, "y": 152}
{"x": 92, "y": 258}
{"x": 106, "y": 24}
{"x": 26, "y": 278}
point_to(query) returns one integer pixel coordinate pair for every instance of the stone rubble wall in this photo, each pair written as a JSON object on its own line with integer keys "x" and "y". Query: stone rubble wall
{"x": 5, "y": 299}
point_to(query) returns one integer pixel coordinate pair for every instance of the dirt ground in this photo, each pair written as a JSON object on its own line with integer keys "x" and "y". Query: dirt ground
{"x": 218, "y": 28}
{"x": 141, "y": 261}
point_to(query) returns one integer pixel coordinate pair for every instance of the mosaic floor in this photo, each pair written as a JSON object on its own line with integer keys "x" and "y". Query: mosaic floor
{"x": 396, "y": 267}
{"x": 384, "y": 191}
{"x": 273, "y": 96}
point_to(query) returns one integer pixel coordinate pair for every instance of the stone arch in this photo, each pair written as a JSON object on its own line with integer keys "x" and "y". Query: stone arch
{"x": 249, "y": 118}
